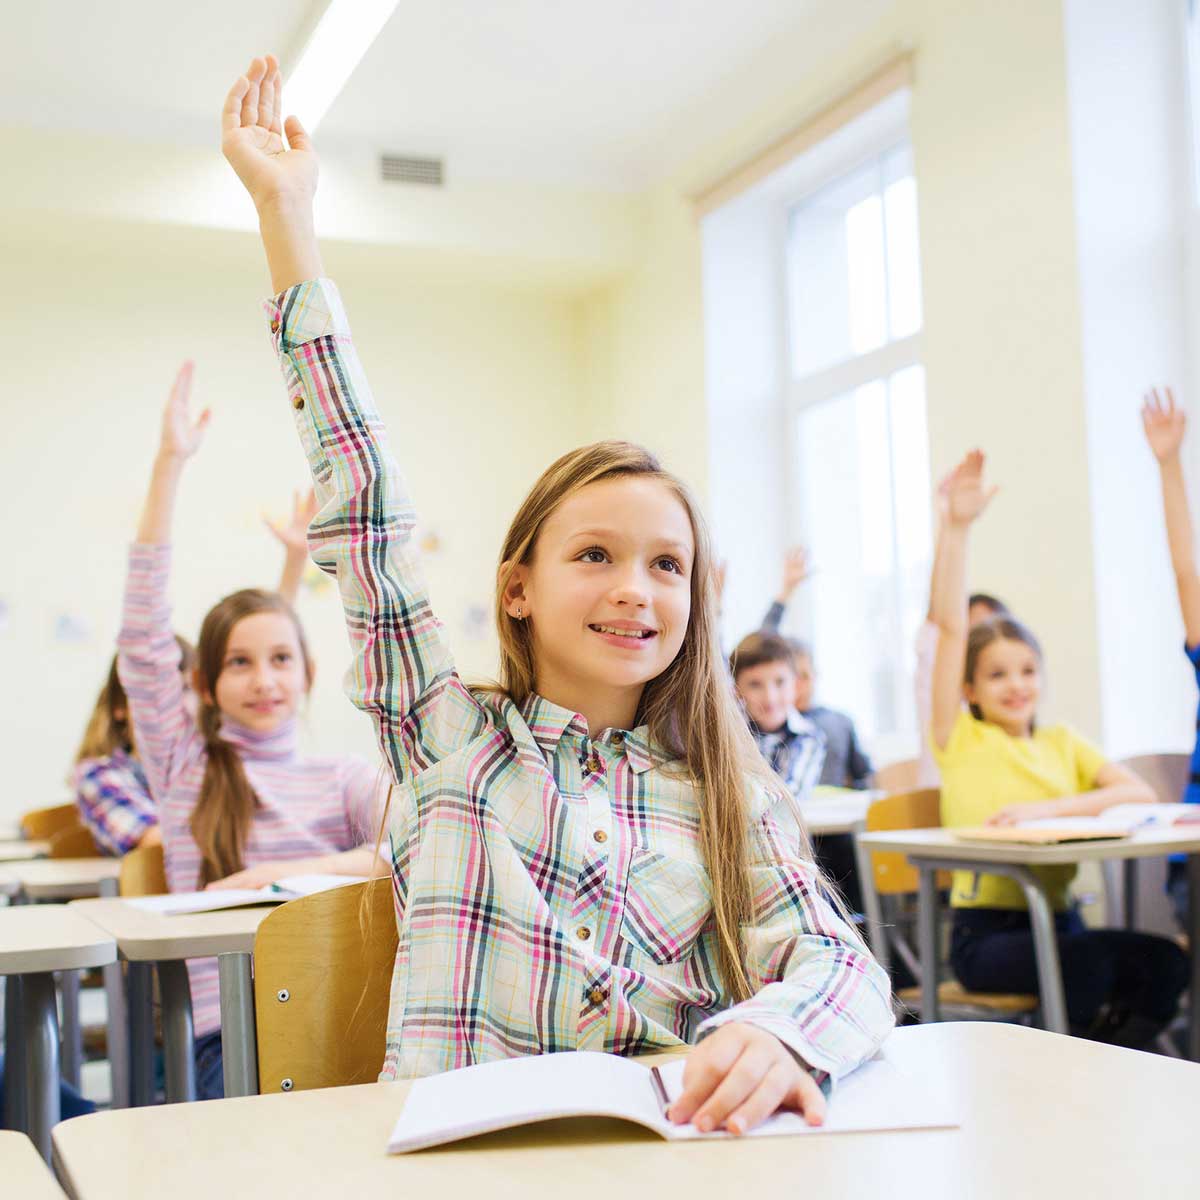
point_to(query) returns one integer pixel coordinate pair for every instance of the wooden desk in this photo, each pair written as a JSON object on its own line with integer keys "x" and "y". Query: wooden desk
{"x": 25, "y": 1175}
{"x": 19, "y": 850}
{"x": 149, "y": 941}
{"x": 36, "y": 941}
{"x": 1043, "y": 1117}
{"x": 64, "y": 878}
{"x": 932, "y": 850}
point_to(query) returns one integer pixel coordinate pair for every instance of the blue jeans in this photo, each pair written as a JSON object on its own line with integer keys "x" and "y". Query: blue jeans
{"x": 1109, "y": 975}
{"x": 210, "y": 1067}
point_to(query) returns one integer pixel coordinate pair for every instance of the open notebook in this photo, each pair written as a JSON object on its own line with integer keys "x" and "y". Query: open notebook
{"x": 1117, "y": 822}
{"x": 519, "y": 1091}
{"x": 291, "y": 888}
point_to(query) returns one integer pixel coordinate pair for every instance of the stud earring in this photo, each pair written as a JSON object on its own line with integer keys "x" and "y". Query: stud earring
{"x": 520, "y": 613}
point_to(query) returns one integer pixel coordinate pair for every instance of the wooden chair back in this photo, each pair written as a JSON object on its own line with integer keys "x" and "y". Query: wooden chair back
{"x": 322, "y": 977}
{"x": 1167, "y": 774}
{"x": 74, "y": 842}
{"x": 143, "y": 872}
{"x": 898, "y": 776}
{"x": 919, "y": 809}
{"x": 41, "y": 824}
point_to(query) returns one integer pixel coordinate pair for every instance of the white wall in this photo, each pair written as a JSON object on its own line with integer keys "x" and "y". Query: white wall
{"x": 1129, "y": 151}
{"x": 476, "y": 376}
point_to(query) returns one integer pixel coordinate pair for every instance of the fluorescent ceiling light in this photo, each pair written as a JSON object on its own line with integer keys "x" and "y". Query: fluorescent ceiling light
{"x": 341, "y": 37}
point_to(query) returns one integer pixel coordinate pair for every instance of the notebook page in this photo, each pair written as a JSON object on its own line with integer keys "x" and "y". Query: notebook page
{"x": 178, "y": 903}
{"x": 295, "y": 886}
{"x": 877, "y": 1097}
{"x": 518, "y": 1091}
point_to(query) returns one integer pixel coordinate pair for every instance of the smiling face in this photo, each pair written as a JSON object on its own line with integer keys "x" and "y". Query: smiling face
{"x": 768, "y": 690}
{"x": 1006, "y": 685}
{"x": 263, "y": 676}
{"x": 607, "y": 595}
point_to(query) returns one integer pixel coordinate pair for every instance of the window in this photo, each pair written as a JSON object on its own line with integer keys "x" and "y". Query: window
{"x": 856, "y": 398}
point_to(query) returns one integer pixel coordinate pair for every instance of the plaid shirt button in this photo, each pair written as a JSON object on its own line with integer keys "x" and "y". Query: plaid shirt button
{"x": 583, "y": 933}
{"x": 596, "y": 995}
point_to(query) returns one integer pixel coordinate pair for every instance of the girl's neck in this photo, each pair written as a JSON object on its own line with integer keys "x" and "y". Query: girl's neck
{"x": 602, "y": 708}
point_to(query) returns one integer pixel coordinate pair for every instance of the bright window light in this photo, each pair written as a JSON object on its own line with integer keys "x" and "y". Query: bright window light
{"x": 342, "y": 36}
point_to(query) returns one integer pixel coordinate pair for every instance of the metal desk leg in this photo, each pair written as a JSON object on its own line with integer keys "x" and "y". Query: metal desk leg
{"x": 239, "y": 1040}
{"x": 39, "y": 1021}
{"x": 141, "y": 1033}
{"x": 1129, "y": 889}
{"x": 179, "y": 1052}
{"x": 15, "y": 1115}
{"x": 927, "y": 940}
{"x": 1193, "y": 863}
{"x": 118, "y": 1033}
{"x": 72, "y": 1033}
{"x": 1045, "y": 943}
{"x": 876, "y": 935}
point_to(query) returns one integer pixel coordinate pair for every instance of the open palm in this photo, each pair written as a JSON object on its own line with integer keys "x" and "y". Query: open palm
{"x": 967, "y": 493}
{"x": 1164, "y": 423}
{"x": 181, "y": 436}
{"x": 252, "y": 138}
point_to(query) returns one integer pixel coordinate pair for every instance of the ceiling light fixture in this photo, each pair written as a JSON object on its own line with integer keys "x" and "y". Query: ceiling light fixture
{"x": 341, "y": 37}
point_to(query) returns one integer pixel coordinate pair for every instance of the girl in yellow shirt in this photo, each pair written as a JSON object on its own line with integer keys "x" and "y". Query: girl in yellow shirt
{"x": 999, "y": 767}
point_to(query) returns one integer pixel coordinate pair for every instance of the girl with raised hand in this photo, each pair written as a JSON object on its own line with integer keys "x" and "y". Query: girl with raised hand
{"x": 1000, "y": 767}
{"x": 1164, "y": 424}
{"x": 110, "y": 787}
{"x": 584, "y": 857}
{"x": 238, "y": 805}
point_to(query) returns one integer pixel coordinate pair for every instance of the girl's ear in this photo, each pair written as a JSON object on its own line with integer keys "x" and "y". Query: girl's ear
{"x": 516, "y": 598}
{"x": 312, "y": 674}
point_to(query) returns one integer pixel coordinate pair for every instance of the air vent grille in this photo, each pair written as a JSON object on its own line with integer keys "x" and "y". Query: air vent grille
{"x": 405, "y": 168}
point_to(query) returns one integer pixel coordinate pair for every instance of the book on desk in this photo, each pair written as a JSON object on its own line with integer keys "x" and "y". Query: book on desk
{"x": 1120, "y": 821}
{"x": 293, "y": 887}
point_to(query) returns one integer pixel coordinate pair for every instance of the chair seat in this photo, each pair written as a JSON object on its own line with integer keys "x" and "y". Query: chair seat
{"x": 951, "y": 993}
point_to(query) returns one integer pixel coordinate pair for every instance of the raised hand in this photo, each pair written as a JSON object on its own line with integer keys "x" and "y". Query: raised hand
{"x": 293, "y": 534}
{"x": 967, "y": 494}
{"x": 253, "y": 143}
{"x": 181, "y": 436}
{"x": 1164, "y": 423}
{"x": 795, "y": 571}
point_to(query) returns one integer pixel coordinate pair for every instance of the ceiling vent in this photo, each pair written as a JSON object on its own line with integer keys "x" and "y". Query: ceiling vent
{"x": 403, "y": 168}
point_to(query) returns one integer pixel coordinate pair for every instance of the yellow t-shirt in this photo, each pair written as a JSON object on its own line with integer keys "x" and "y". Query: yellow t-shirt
{"x": 985, "y": 769}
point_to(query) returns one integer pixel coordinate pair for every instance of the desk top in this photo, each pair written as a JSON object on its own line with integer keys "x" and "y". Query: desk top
{"x": 23, "y": 1171}
{"x": 1077, "y": 1111}
{"x": 61, "y": 878}
{"x": 19, "y": 849}
{"x": 940, "y": 843}
{"x": 50, "y": 937}
{"x": 154, "y": 937}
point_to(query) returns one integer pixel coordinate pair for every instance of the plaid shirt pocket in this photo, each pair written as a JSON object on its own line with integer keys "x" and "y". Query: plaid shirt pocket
{"x": 668, "y": 902}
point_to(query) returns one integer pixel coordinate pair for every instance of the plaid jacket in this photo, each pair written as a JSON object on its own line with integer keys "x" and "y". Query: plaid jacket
{"x": 550, "y": 888}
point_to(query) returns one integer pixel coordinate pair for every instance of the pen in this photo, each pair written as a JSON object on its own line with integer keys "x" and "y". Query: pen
{"x": 664, "y": 1101}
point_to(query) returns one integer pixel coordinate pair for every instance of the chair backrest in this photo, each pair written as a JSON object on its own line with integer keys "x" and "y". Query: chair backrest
{"x": 41, "y": 824}
{"x": 918, "y": 809}
{"x": 143, "y": 872}
{"x": 322, "y": 975}
{"x": 1167, "y": 774}
{"x": 898, "y": 776}
{"x": 74, "y": 842}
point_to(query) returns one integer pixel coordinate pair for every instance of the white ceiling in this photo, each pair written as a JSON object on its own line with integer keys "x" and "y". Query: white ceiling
{"x": 609, "y": 96}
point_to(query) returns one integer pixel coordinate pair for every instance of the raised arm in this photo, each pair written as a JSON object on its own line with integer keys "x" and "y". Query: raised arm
{"x": 403, "y": 673}
{"x": 293, "y": 537}
{"x": 147, "y": 653}
{"x": 1165, "y": 424}
{"x": 967, "y": 496}
{"x": 795, "y": 572}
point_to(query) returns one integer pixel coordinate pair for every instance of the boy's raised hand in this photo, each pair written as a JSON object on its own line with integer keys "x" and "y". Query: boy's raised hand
{"x": 967, "y": 494}
{"x": 252, "y": 139}
{"x": 1164, "y": 423}
{"x": 294, "y": 534}
{"x": 181, "y": 436}
{"x": 795, "y": 570}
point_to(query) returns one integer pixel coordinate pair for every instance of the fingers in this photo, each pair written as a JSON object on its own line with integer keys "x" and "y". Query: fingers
{"x": 709, "y": 1063}
{"x": 254, "y": 77}
{"x": 741, "y": 1086}
{"x": 297, "y": 138}
{"x": 231, "y": 114}
{"x": 273, "y": 96}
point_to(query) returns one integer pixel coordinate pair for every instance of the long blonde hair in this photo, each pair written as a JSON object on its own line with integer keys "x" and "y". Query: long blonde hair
{"x": 225, "y": 807}
{"x": 690, "y": 709}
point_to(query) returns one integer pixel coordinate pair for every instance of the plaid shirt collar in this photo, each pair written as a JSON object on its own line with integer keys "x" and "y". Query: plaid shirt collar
{"x": 549, "y": 724}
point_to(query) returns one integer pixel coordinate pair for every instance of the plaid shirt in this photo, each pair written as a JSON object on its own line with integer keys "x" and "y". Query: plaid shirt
{"x": 550, "y": 888}
{"x": 114, "y": 801}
